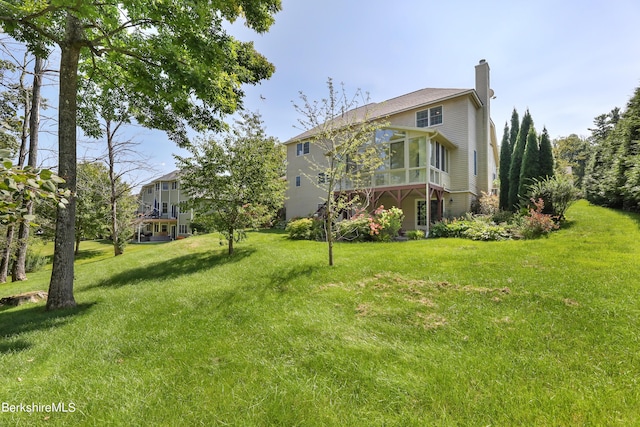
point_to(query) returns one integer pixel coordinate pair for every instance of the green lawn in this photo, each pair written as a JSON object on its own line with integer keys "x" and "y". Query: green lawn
{"x": 434, "y": 332}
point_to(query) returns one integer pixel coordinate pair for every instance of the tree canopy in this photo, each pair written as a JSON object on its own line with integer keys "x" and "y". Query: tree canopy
{"x": 346, "y": 148}
{"x": 173, "y": 59}
{"x": 235, "y": 182}
{"x": 612, "y": 177}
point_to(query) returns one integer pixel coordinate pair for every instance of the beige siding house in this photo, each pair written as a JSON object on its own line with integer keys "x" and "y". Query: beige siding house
{"x": 159, "y": 210}
{"x": 444, "y": 154}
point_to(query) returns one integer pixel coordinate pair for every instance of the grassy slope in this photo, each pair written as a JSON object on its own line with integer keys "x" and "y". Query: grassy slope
{"x": 434, "y": 332}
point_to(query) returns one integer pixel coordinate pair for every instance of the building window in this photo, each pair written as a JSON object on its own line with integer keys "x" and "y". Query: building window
{"x": 322, "y": 178}
{"x": 165, "y": 186}
{"x": 430, "y": 117}
{"x": 174, "y": 211}
{"x": 165, "y": 207}
{"x": 157, "y": 186}
{"x": 475, "y": 162}
{"x": 422, "y": 119}
{"x": 164, "y": 228}
{"x": 439, "y": 156}
{"x": 156, "y": 228}
{"x": 421, "y": 213}
{"x": 182, "y": 228}
{"x": 435, "y": 116}
{"x": 149, "y": 190}
{"x": 298, "y": 181}
{"x": 302, "y": 148}
{"x": 174, "y": 185}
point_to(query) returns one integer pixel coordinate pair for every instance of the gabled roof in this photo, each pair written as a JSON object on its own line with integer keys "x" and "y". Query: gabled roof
{"x": 171, "y": 176}
{"x": 399, "y": 104}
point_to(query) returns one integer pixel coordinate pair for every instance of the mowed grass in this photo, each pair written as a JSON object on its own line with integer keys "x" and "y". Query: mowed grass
{"x": 434, "y": 332}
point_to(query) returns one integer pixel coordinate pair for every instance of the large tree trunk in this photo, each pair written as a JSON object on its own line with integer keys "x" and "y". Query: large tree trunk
{"x": 61, "y": 285}
{"x": 19, "y": 267}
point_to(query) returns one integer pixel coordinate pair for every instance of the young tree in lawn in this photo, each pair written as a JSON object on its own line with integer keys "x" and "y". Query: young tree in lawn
{"x": 546, "y": 161}
{"x": 530, "y": 168}
{"x": 103, "y": 112}
{"x": 516, "y": 160}
{"x": 175, "y": 61}
{"x": 343, "y": 133}
{"x": 505, "y": 163}
{"x": 235, "y": 182}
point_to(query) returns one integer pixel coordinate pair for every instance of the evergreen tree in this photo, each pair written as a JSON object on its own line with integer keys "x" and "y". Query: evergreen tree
{"x": 605, "y": 173}
{"x": 515, "y": 128}
{"x": 505, "y": 163}
{"x": 629, "y": 169}
{"x": 546, "y": 156}
{"x": 516, "y": 160}
{"x": 530, "y": 169}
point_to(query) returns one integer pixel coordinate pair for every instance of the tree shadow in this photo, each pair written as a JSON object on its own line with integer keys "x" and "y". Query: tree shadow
{"x": 172, "y": 268}
{"x": 634, "y": 216}
{"x": 278, "y": 283}
{"x": 88, "y": 254}
{"x": 16, "y": 321}
{"x": 280, "y": 280}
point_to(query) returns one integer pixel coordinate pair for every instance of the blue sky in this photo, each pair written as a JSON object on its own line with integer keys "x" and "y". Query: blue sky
{"x": 566, "y": 61}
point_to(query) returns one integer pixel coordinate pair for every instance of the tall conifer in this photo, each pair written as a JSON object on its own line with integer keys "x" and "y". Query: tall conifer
{"x": 546, "y": 155}
{"x": 505, "y": 163}
{"x": 530, "y": 169}
{"x": 515, "y": 128}
{"x": 516, "y": 160}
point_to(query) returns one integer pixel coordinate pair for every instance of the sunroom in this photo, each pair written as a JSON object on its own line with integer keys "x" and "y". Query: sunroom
{"x": 413, "y": 176}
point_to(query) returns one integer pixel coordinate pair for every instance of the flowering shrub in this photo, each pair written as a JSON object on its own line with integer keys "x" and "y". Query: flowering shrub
{"x": 382, "y": 225}
{"x": 386, "y": 224}
{"x": 356, "y": 229}
{"x": 536, "y": 223}
{"x": 531, "y": 224}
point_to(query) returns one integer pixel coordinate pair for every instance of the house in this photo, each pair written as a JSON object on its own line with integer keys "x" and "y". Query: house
{"x": 159, "y": 211}
{"x": 443, "y": 154}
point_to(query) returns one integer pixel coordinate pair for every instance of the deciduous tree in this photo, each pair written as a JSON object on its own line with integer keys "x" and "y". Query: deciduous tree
{"x": 175, "y": 61}
{"x": 235, "y": 182}
{"x": 342, "y": 131}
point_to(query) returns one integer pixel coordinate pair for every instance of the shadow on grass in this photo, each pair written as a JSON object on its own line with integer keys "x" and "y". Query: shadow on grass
{"x": 172, "y": 268}
{"x": 280, "y": 280}
{"x": 278, "y": 283}
{"x": 632, "y": 216}
{"x": 88, "y": 254}
{"x": 20, "y": 321}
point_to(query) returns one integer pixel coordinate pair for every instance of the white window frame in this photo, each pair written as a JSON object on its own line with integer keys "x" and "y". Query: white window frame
{"x": 434, "y": 117}
{"x": 302, "y": 148}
